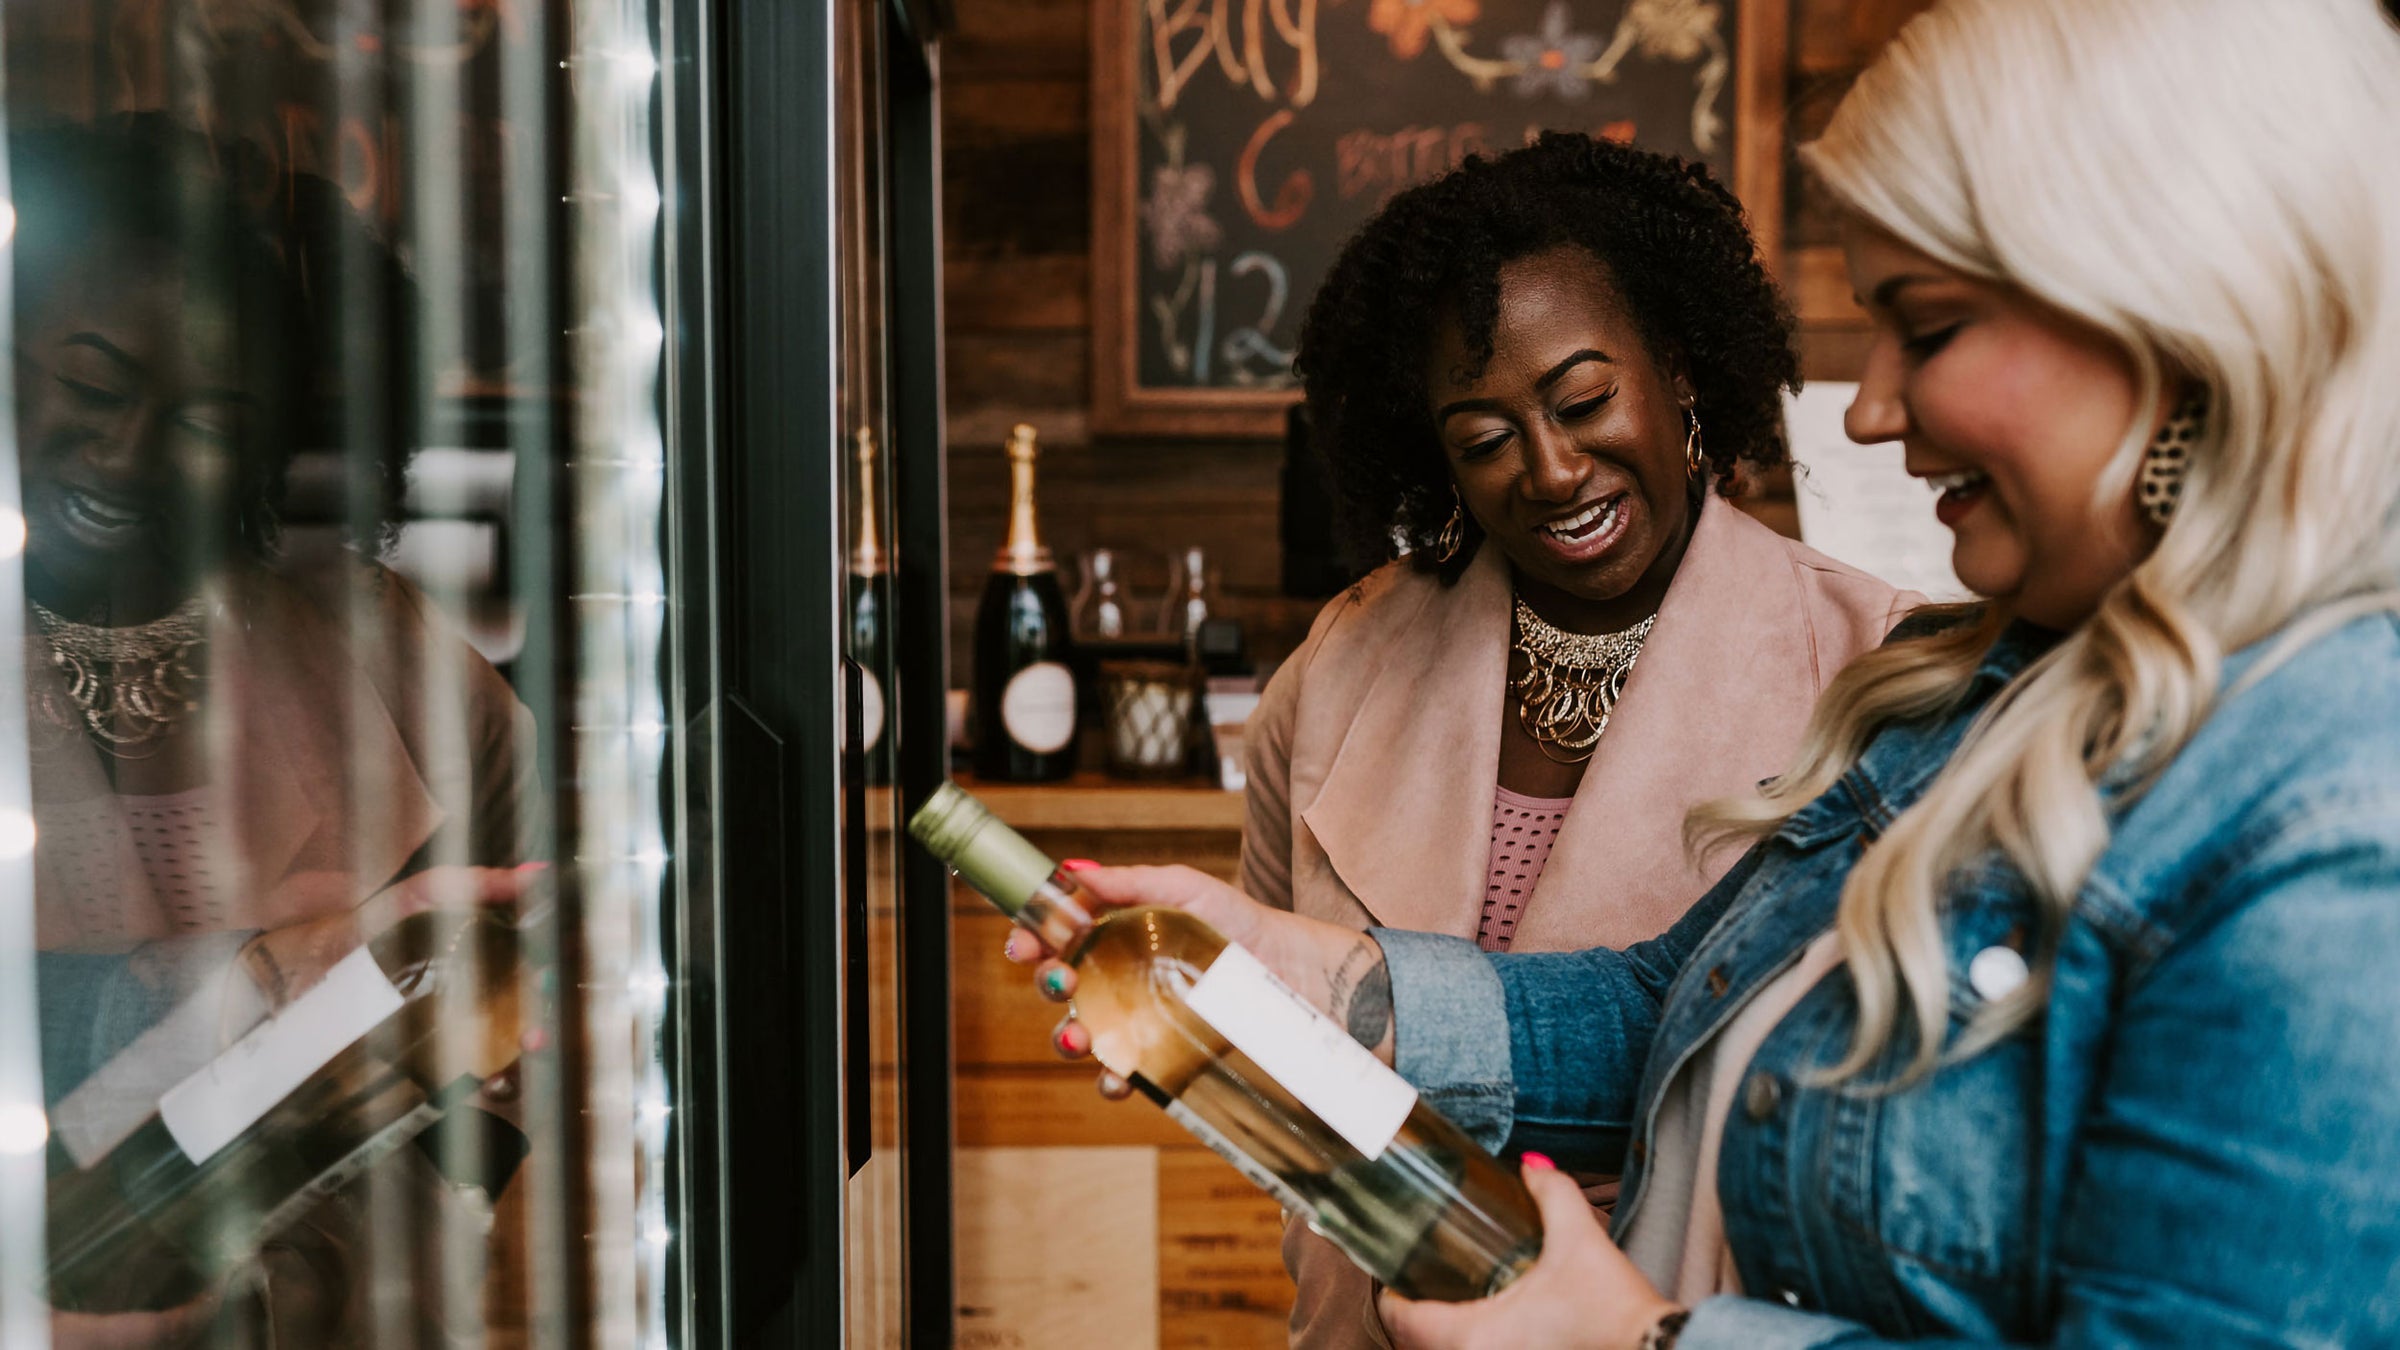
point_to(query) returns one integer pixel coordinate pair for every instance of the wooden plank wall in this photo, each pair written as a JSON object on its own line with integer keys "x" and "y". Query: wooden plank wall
{"x": 1188, "y": 1256}
{"x": 1016, "y": 128}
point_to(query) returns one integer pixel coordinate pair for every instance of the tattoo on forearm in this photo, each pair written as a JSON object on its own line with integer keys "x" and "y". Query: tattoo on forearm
{"x": 1361, "y": 997}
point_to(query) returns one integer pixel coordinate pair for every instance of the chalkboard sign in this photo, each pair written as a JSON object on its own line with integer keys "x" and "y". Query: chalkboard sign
{"x": 1238, "y": 143}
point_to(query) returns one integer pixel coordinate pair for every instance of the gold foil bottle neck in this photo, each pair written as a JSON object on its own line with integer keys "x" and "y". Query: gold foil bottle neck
{"x": 866, "y": 549}
{"x": 1024, "y": 554}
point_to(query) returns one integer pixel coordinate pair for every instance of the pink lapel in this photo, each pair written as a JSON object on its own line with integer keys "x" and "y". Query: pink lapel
{"x": 330, "y": 800}
{"x": 1404, "y": 811}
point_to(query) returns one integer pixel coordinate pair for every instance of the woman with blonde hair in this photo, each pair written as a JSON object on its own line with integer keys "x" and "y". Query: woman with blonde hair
{"x": 2054, "y": 1002}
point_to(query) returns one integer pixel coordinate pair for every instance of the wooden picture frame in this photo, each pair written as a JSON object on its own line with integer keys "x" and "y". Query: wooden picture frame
{"x": 1124, "y": 406}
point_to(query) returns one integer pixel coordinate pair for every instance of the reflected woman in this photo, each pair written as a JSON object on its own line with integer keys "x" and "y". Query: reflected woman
{"x": 1536, "y": 380}
{"x": 243, "y": 765}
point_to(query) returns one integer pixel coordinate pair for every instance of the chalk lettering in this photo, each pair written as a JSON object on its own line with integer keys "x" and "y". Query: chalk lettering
{"x": 1377, "y": 163}
{"x": 1186, "y": 36}
{"x": 1291, "y": 199}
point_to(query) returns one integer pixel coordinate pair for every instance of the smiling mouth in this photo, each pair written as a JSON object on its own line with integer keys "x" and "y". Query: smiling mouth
{"x": 99, "y": 519}
{"x": 1960, "y": 485}
{"x": 1594, "y": 520}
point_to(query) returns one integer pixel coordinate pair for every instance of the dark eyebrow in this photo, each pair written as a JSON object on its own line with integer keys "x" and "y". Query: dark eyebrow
{"x": 1559, "y": 372}
{"x": 105, "y": 348}
{"x": 1889, "y": 288}
{"x": 1549, "y": 377}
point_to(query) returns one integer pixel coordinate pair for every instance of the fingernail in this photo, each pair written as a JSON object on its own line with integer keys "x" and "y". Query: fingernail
{"x": 1540, "y": 1162}
{"x": 1072, "y": 1039}
{"x": 1008, "y": 949}
{"x": 1054, "y": 981}
{"x": 1078, "y": 864}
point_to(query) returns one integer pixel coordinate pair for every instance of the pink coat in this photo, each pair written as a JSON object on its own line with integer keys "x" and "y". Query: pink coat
{"x": 1375, "y": 753}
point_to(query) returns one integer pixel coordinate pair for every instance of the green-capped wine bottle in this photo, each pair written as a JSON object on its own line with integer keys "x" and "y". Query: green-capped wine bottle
{"x": 1258, "y": 1074}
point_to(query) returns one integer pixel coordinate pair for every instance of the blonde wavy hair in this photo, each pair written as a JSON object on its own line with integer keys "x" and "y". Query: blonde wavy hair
{"x": 2213, "y": 183}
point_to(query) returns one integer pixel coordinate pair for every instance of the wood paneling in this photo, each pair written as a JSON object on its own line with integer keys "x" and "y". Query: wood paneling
{"x": 1220, "y": 1256}
{"x": 1057, "y": 1248}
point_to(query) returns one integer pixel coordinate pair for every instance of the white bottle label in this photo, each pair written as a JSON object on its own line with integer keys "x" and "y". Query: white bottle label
{"x": 870, "y": 708}
{"x": 1251, "y": 1172}
{"x": 1315, "y": 1060}
{"x": 1038, "y": 707}
{"x": 204, "y": 1112}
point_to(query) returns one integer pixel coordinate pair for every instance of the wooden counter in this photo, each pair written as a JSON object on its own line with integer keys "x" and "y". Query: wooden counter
{"x": 1069, "y": 1201}
{"x": 1098, "y": 804}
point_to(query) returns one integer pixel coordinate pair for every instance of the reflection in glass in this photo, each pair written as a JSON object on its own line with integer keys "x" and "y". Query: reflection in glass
{"x": 336, "y": 351}
{"x": 247, "y": 760}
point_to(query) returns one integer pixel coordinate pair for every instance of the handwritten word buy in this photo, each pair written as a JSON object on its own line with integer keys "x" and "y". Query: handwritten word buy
{"x": 1184, "y": 36}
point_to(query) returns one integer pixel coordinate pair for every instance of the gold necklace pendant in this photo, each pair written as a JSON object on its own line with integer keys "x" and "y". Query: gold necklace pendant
{"x": 130, "y": 686}
{"x": 1571, "y": 684}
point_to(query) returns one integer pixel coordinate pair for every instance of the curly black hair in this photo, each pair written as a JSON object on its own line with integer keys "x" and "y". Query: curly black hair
{"x": 1672, "y": 239}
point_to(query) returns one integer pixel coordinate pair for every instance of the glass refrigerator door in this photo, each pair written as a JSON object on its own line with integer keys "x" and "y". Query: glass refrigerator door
{"x": 342, "y": 869}
{"x": 874, "y": 1224}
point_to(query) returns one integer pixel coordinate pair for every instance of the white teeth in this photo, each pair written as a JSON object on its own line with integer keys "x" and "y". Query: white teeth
{"x": 1572, "y": 525}
{"x": 1958, "y": 482}
{"x": 90, "y": 509}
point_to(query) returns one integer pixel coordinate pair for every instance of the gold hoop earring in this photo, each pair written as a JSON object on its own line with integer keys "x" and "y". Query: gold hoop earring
{"x": 1454, "y": 530}
{"x": 1695, "y": 455}
{"x": 2169, "y": 456}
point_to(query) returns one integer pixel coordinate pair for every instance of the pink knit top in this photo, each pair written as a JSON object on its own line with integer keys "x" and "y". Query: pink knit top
{"x": 1523, "y": 829}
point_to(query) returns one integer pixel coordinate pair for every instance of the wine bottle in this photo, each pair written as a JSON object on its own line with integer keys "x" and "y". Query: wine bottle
{"x": 870, "y": 609}
{"x": 1200, "y": 1027}
{"x": 364, "y": 1061}
{"x": 1024, "y": 686}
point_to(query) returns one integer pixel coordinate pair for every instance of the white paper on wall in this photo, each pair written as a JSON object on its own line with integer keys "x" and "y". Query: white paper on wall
{"x": 1857, "y": 503}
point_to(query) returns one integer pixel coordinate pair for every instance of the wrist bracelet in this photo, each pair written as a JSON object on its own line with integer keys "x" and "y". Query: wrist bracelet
{"x": 1664, "y": 1331}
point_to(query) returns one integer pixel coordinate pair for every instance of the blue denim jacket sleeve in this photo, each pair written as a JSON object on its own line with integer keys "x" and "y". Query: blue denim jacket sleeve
{"x": 2234, "y": 1168}
{"x": 1539, "y": 1050}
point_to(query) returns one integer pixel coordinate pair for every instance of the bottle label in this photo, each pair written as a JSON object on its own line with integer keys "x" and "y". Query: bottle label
{"x": 1242, "y": 1162}
{"x": 1038, "y": 707}
{"x": 204, "y": 1112}
{"x": 1314, "y": 1059}
{"x": 870, "y": 708}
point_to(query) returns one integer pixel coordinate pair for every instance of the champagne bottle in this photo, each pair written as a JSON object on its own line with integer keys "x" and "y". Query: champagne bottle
{"x": 870, "y": 609}
{"x": 364, "y": 1061}
{"x": 1024, "y": 687}
{"x": 1255, "y": 1072}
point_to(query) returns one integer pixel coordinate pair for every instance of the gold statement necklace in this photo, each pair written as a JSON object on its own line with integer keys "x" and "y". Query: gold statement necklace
{"x": 1571, "y": 683}
{"x": 129, "y": 686}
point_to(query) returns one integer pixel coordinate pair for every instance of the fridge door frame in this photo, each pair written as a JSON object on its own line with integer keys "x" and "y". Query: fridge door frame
{"x": 761, "y": 1036}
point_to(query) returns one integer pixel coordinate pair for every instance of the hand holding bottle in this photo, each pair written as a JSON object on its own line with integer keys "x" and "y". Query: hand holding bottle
{"x": 1339, "y": 969}
{"x": 1191, "y": 993}
{"x": 1583, "y": 1291}
{"x": 287, "y": 962}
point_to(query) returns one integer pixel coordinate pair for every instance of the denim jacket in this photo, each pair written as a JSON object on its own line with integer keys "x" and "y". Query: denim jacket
{"x": 2196, "y": 1144}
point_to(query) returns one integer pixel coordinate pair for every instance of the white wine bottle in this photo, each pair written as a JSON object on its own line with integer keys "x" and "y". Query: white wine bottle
{"x": 1258, "y": 1074}
{"x": 363, "y": 1062}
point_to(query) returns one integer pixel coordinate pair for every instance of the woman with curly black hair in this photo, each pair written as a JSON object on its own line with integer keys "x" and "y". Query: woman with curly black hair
{"x": 1535, "y": 379}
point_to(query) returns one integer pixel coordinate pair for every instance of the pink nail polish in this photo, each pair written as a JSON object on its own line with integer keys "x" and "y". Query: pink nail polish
{"x": 1078, "y": 864}
{"x": 1540, "y": 1162}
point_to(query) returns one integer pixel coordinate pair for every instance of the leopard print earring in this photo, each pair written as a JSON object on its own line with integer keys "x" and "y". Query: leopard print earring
{"x": 2169, "y": 456}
